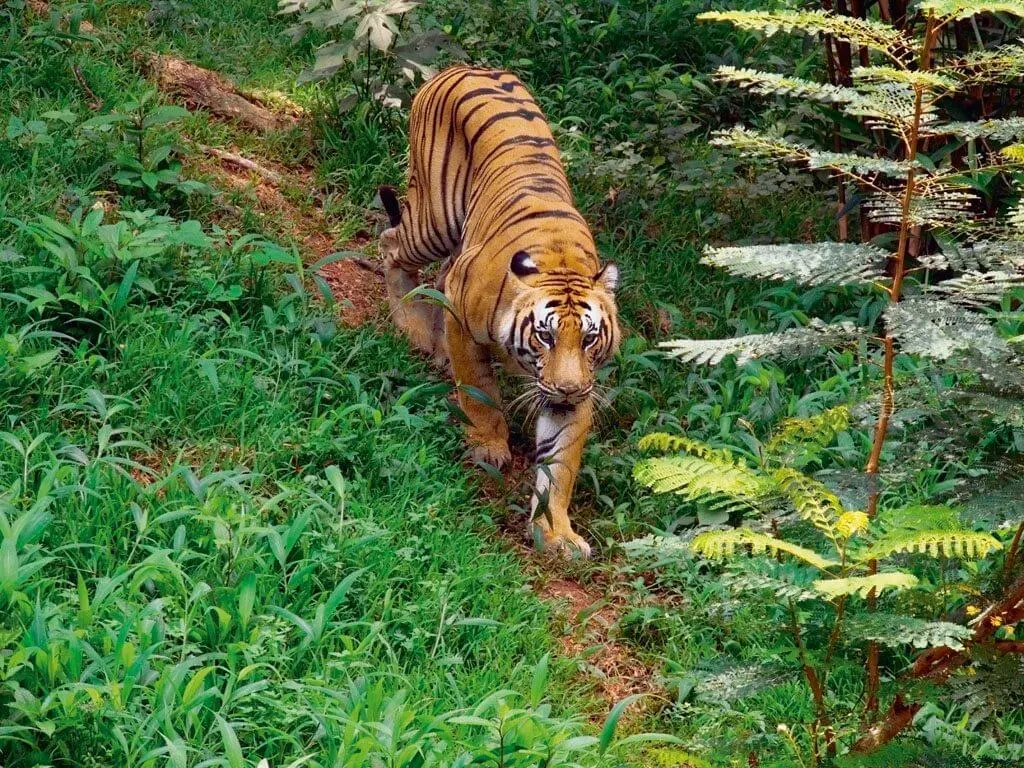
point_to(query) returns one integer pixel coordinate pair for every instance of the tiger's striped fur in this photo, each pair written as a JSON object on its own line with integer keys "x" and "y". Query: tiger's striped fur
{"x": 487, "y": 192}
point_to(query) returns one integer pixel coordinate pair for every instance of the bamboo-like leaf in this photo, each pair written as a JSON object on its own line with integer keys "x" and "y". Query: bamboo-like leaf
{"x": 610, "y": 723}
{"x": 862, "y": 585}
{"x": 807, "y": 264}
{"x": 719, "y": 545}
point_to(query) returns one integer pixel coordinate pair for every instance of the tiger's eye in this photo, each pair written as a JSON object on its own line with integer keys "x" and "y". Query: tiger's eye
{"x": 545, "y": 338}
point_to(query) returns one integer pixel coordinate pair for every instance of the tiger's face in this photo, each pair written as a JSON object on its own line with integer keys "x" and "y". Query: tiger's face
{"x": 564, "y": 328}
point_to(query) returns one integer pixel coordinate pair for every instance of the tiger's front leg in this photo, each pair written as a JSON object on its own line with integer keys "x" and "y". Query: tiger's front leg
{"x": 561, "y": 435}
{"x": 487, "y": 431}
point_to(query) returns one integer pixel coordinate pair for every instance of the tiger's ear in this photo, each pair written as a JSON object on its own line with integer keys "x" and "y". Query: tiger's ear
{"x": 522, "y": 265}
{"x": 608, "y": 276}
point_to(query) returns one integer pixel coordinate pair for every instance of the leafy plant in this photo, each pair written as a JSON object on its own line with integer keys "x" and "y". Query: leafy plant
{"x": 93, "y": 269}
{"x": 379, "y": 45}
{"x": 138, "y": 166}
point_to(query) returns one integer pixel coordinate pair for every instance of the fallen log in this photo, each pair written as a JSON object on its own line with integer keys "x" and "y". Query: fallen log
{"x": 202, "y": 89}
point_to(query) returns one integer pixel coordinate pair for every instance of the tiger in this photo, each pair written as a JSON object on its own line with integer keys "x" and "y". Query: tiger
{"x": 488, "y": 196}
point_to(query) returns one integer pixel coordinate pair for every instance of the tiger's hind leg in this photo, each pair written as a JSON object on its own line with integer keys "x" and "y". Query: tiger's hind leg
{"x": 421, "y": 321}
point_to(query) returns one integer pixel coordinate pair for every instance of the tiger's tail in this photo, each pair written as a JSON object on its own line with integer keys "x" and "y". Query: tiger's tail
{"x": 389, "y": 198}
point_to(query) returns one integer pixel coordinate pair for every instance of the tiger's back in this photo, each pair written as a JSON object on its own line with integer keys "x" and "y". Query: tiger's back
{"x": 481, "y": 155}
{"x": 487, "y": 189}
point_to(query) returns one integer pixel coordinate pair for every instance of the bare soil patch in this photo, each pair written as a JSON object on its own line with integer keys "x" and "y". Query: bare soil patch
{"x": 590, "y": 616}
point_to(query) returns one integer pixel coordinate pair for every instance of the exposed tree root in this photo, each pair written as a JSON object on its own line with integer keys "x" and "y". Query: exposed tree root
{"x": 272, "y": 176}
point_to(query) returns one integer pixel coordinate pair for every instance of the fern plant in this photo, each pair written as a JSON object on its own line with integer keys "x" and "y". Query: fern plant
{"x": 948, "y": 276}
{"x": 824, "y": 555}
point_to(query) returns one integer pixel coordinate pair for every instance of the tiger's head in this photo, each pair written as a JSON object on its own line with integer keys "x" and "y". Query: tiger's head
{"x": 564, "y": 327}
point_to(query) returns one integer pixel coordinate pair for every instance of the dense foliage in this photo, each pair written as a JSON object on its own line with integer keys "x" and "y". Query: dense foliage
{"x": 233, "y": 531}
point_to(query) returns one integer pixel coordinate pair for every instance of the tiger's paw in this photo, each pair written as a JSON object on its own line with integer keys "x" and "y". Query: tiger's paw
{"x": 568, "y": 544}
{"x": 493, "y": 452}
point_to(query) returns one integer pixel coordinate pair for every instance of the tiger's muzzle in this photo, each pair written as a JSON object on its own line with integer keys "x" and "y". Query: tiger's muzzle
{"x": 563, "y": 396}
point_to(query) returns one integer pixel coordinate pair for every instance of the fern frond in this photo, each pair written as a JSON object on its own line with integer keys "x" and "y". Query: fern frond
{"x": 720, "y": 545}
{"x": 753, "y": 143}
{"x": 729, "y": 682}
{"x": 1005, "y": 129}
{"x": 938, "y": 330}
{"x": 724, "y": 486}
{"x": 964, "y": 9}
{"x": 812, "y": 339}
{"x": 788, "y": 581}
{"x": 862, "y": 585}
{"x": 995, "y": 65}
{"x": 812, "y": 500}
{"x": 1005, "y": 377}
{"x": 994, "y": 255}
{"x": 664, "y": 547}
{"x": 928, "y": 80}
{"x": 897, "y": 631}
{"x": 808, "y": 264}
{"x": 919, "y": 517}
{"x": 978, "y": 289}
{"x": 967, "y": 545}
{"x": 818, "y": 430}
{"x": 772, "y": 84}
{"x": 1014, "y": 153}
{"x": 860, "y": 32}
{"x": 891, "y": 105}
{"x": 850, "y": 524}
{"x": 666, "y": 443}
{"x": 932, "y": 204}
